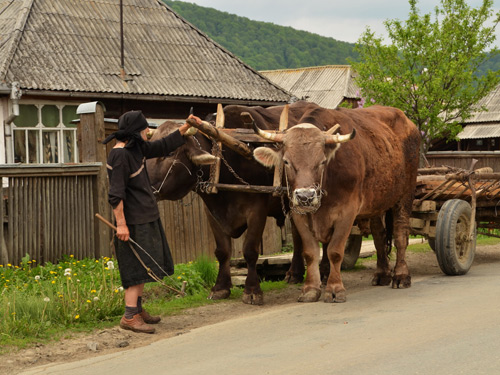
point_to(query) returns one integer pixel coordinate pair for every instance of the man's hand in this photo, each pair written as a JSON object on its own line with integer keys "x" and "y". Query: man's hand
{"x": 122, "y": 232}
{"x": 121, "y": 225}
{"x": 187, "y": 129}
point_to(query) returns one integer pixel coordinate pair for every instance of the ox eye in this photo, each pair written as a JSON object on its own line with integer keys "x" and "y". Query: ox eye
{"x": 286, "y": 162}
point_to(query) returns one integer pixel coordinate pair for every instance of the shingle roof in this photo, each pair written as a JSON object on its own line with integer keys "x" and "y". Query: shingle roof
{"x": 326, "y": 86}
{"x": 74, "y": 45}
{"x": 492, "y": 103}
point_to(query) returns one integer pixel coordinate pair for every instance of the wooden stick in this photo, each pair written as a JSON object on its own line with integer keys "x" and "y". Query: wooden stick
{"x": 106, "y": 222}
{"x": 235, "y": 145}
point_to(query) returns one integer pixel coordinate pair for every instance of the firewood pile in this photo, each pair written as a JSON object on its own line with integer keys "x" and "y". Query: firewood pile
{"x": 445, "y": 183}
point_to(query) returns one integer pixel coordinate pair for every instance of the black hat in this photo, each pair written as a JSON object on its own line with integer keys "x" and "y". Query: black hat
{"x": 130, "y": 125}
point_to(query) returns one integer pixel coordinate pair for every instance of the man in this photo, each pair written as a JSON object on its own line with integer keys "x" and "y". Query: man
{"x": 136, "y": 212}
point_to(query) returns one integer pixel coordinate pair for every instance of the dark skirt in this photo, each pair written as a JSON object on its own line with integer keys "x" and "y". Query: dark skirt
{"x": 151, "y": 238}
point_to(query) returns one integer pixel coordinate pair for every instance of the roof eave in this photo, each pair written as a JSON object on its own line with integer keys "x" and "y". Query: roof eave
{"x": 166, "y": 98}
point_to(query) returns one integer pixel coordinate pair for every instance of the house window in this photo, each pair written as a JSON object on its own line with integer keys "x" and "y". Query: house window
{"x": 43, "y": 133}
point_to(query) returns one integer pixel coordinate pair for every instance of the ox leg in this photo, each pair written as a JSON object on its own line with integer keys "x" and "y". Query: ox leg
{"x": 324, "y": 266}
{"x": 401, "y": 277}
{"x": 295, "y": 273}
{"x": 252, "y": 293}
{"x": 382, "y": 274}
{"x": 222, "y": 287}
{"x": 335, "y": 290}
{"x": 311, "y": 291}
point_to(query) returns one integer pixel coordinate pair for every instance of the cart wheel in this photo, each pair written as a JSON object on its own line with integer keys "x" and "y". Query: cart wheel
{"x": 453, "y": 251}
{"x": 432, "y": 242}
{"x": 351, "y": 251}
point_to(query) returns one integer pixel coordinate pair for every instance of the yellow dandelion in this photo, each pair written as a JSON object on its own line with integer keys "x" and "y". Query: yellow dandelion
{"x": 71, "y": 256}
{"x": 77, "y": 316}
{"x": 33, "y": 260}
{"x": 88, "y": 301}
{"x": 116, "y": 290}
{"x": 53, "y": 282}
{"x": 93, "y": 291}
{"x": 9, "y": 265}
{"x": 178, "y": 277}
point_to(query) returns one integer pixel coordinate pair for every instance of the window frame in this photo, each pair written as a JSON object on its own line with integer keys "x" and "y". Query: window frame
{"x": 40, "y": 129}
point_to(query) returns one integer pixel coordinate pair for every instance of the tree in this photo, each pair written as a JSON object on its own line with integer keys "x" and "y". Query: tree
{"x": 428, "y": 70}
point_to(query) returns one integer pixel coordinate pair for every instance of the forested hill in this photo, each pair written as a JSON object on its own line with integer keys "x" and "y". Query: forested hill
{"x": 264, "y": 45}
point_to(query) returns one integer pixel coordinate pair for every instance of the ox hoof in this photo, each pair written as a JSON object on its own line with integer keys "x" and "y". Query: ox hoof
{"x": 401, "y": 282}
{"x": 339, "y": 297}
{"x": 311, "y": 295}
{"x": 219, "y": 294}
{"x": 253, "y": 299}
{"x": 381, "y": 279}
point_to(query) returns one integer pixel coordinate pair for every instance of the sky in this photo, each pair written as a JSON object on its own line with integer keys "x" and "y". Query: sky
{"x": 339, "y": 19}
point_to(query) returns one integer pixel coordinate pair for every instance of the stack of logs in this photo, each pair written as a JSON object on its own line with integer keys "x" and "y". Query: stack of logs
{"x": 445, "y": 183}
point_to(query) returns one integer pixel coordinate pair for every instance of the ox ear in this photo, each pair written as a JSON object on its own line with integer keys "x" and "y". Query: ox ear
{"x": 267, "y": 157}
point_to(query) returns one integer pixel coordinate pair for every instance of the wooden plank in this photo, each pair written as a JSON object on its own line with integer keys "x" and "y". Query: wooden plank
{"x": 249, "y": 188}
{"x": 278, "y": 170}
{"x": 4, "y": 255}
{"x": 11, "y": 223}
{"x": 41, "y": 170}
{"x": 215, "y": 168}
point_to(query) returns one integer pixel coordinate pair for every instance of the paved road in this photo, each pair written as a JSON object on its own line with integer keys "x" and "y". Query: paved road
{"x": 441, "y": 325}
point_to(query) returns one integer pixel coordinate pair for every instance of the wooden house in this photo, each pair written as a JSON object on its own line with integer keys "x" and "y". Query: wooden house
{"x": 124, "y": 55}
{"x": 482, "y": 131}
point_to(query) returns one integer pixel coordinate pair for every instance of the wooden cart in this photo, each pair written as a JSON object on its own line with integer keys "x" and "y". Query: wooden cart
{"x": 451, "y": 207}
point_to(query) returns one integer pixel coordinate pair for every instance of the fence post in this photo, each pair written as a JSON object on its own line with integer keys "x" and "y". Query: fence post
{"x": 90, "y": 135}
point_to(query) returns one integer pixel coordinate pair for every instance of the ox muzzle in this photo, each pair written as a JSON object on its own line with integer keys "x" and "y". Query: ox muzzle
{"x": 306, "y": 200}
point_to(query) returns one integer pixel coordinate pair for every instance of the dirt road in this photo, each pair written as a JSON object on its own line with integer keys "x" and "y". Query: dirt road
{"x": 441, "y": 325}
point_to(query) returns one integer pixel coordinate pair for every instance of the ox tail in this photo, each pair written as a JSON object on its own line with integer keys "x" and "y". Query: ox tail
{"x": 389, "y": 230}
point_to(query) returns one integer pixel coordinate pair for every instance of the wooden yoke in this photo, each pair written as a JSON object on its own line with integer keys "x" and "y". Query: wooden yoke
{"x": 278, "y": 170}
{"x": 215, "y": 168}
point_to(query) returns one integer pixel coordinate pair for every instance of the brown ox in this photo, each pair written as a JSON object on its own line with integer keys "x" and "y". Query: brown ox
{"x": 229, "y": 213}
{"x": 333, "y": 181}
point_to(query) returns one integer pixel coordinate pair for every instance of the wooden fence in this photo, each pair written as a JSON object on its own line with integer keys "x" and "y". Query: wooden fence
{"x": 463, "y": 159}
{"x": 48, "y": 211}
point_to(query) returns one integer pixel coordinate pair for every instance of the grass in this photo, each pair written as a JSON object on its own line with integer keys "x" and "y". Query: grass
{"x": 40, "y": 304}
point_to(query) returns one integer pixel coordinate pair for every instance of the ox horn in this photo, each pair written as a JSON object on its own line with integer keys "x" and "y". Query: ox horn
{"x": 339, "y": 138}
{"x": 275, "y": 137}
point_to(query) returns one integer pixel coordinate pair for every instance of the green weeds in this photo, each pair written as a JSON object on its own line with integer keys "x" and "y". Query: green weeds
{"x": 40, "y": 303}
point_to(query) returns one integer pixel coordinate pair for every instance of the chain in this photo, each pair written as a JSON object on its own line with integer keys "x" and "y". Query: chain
{"x": 217, "y": 149}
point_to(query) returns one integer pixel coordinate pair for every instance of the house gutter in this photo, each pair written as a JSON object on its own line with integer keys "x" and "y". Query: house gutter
{"x": 15, "y": 96}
